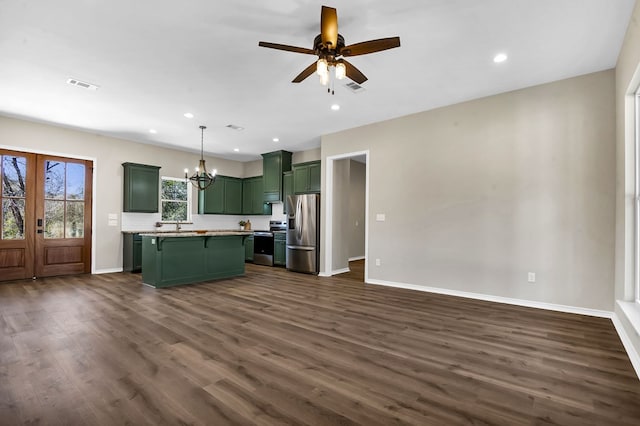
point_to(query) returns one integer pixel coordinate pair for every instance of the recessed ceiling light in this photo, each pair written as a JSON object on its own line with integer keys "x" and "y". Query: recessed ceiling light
{"x": 276, "y": 140}
{"x": 335, "y": 107}
{"x": 188, "y": 115}
{"x": 236, "y": 149}
{"x": 500, "y": 57}
{"x": 154, "y": 131}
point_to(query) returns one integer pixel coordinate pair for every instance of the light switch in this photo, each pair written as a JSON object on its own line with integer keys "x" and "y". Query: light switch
{"x": 380, "y": 217}
{"x": 112, "y": 222}
{"x": 113, "y": 216}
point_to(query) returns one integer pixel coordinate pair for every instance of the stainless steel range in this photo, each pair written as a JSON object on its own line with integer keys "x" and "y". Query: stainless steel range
{"x": 263, "y": 243}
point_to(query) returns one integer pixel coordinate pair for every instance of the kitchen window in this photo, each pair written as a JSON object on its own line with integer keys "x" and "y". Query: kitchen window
{"x": 175, "y": 199}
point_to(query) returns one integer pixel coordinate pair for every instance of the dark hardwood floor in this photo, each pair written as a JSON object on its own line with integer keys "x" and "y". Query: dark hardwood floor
{"x": 275, "y": 348}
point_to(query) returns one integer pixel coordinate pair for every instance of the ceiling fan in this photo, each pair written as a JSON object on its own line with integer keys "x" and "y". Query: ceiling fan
{"x": 330, "y": 48}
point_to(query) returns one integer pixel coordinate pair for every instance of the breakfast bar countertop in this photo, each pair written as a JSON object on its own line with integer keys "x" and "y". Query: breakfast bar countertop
{"x": 191, "y": 233}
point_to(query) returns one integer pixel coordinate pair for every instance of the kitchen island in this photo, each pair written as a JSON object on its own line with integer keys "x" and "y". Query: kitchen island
{"x": 176, "y": 258}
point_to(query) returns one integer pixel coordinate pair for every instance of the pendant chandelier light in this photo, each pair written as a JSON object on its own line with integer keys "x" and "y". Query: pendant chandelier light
{"x": 201, "y": 179}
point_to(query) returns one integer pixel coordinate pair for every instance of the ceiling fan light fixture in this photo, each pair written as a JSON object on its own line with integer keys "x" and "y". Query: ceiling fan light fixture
{"x": 324, "y": 79}
{"x": 322, "y": 68}
{"x": 341, "y": 70}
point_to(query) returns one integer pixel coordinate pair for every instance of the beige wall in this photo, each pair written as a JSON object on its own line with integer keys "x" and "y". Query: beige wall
{"x": 357, "y": 176}
{"x": 341, "y": 189}
{"x": 627, "y": 82}
{"x": 480, "y": 193}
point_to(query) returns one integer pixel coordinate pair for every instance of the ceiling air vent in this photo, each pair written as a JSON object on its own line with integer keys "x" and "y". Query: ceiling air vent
{"x": 354, "y": 87}
{"x": 234, "y": 127}
{"x": 84, "y": 85}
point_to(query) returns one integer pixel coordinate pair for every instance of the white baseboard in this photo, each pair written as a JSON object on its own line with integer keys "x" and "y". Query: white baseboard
{"x": 340, "y": 271}
{"x": 499, "y": 299}
{"x": 351, "y": 259}
{"x": 107, "y": 271}
{"x": 324, "y": 274}
{"x": 634, "y": 357}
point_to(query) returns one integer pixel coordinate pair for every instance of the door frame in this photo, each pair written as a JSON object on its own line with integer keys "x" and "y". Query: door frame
{"x": 93, "y": 183}
{"x": 327, "y": 212}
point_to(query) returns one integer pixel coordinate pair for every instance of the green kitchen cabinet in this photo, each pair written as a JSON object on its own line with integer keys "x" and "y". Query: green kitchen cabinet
{"x": 233, "y": 196}
{"x": 306, "y": 178}
{"x": 132, "y": 252}
{"x": 141, "y": 188}
{"x": 280, "y": 248}
{"x": 224, "y": 196}
{"x": 287, "y": 189}
{"x": 252, "y": 197}
{"x": 248, "y": 249}
{"x": 273, "y": 165}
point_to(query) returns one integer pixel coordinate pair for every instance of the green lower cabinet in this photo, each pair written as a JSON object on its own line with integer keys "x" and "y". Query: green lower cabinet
{"x": 306, "y": 178}
{"x": 132, "y": 252}
{"x": 248, "y": 249}
{"x": 171, "y": 261}
{"x": 280, "y": 249}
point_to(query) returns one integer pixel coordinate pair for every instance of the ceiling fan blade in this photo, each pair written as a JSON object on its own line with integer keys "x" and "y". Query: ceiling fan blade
{"x": 286, "y": 47}
{"x": 306, "y": 73}
{"x": 329, "y": 26}
{"x": 370, "y": 46}
{"x": 354, "y": 73}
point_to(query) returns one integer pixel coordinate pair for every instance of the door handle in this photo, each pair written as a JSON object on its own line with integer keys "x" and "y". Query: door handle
{"x": 40, "y": 231}
{"x": 39, "y": 222}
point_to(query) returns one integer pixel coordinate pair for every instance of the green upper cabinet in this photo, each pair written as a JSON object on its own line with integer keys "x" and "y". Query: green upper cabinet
{"x": 306, "y": 178}
{"x": 252, "y": 197}
{"x": 273, "y": 165}
{"x": 141, "y": 188}
{"x": 233, "y": 196}
{"x": 224, "y": 196}
{"x": 287, "y": 189}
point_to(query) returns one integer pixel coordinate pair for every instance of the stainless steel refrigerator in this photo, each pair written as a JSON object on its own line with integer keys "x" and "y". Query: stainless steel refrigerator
{"x": 303, "y": 233}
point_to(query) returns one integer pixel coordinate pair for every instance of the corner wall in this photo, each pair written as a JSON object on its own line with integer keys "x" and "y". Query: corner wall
{"x": 627, "y": 82}
{"x": 478, "y": 194}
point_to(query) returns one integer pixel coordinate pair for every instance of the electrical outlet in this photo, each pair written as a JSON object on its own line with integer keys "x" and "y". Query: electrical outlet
{"x": 377, "y": 262}
{"x": 531, "y": 277}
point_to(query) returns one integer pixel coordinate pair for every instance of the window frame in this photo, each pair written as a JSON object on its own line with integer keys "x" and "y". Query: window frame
{"x": 188, "y": 201}
{"x": 637, "y": 199}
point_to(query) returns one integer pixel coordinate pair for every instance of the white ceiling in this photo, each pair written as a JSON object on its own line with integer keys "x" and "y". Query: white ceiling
{"x": 154, "y": 60}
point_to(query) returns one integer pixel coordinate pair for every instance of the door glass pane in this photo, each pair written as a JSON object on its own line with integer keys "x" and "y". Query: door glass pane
{"x": 75, "y": 219}
{"x": 54, "y": 175}
{"x": 13, "y": 219}
{"x": 75, "y": 181}
{"x": 14, "y": 171}
{"x": 53, "y": 219}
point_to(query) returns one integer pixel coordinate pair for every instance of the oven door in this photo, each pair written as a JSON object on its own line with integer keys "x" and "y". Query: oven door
{"x": 263, "y": 249}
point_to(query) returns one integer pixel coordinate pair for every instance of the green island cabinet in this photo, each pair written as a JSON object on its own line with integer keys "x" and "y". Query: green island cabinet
{"x": 224, "y": 196}
{"x": 287, "y": 189}
{"x": 132, "y": 252}
{"x": 273, "y": 165}
{"x": 141, "y": 188}
{"x": 169, "y": 261}
{"x": 280, "y": 248}
{"x": 306, "y": 178}
{"x": 252, "y": 197}
{"x": 248, "y": 249}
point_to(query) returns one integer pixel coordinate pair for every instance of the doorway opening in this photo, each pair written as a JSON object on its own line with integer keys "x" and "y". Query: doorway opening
{"x": 346, "y": 215}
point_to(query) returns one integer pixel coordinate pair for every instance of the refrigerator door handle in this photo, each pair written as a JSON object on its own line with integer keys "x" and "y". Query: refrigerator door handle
{"x": 299, "y": 218}
{"x": 305, "y": 248}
